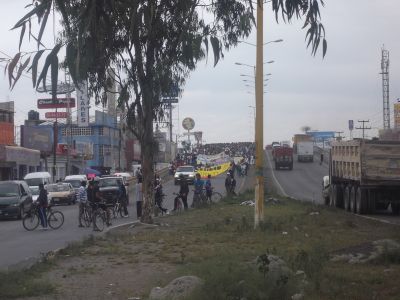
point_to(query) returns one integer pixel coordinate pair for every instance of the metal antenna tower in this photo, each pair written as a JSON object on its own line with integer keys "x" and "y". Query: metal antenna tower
{"x": 385, "y": 88}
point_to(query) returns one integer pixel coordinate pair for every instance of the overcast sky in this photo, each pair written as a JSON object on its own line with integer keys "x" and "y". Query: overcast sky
{"x": 303, "y": 90}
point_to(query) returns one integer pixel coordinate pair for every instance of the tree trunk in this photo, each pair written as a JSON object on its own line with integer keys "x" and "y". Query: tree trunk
{"x": 147, "y": 148}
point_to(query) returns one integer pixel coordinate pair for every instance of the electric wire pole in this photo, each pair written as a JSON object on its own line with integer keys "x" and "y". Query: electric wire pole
{"x": 385, "y": 88}
{"x": 363, "y": 128}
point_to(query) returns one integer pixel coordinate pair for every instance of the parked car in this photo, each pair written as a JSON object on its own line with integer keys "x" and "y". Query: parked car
{"x": 61, "y": 193}
{"x": 188, "y": 172}
{"x": 15, "y": 199}
{"x": 126, "y": 176}
{"x": 75, "y": 181}
{"x": 109, "y": 187}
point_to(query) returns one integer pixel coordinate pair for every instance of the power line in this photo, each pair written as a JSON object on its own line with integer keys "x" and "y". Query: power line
{"x": 363, "y": 128}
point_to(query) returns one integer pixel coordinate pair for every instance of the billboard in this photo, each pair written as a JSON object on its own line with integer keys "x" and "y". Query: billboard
{"x": 351, "y": 124}
{"x": 56, "y": 115}
{"x": 37, "y": 137}
{"x": 320, "y": 136}
{"x": 83, "y": 105}
{"x": 57, "y": 103}
{"x": 6, "y": 133}
{"x": 397, "y": 115}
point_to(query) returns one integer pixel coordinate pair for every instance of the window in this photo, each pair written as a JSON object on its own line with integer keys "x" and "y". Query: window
{"x": 77, "y": 131}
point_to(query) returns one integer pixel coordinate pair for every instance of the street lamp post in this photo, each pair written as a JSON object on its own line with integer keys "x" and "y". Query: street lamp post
{"x": 259, "y": 170}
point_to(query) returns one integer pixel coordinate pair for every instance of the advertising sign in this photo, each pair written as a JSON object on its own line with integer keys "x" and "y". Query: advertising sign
{"x": 351, "y": 124}
{"x": 37, "y": 137}
{"x": 397, "y": 115}
{"x": 56, "y": 115}
{"x": 188, "y": 123}
{"x": 6, "y": 133}
{"x": 83, "y": 105}
{"x": 57, "y": 103}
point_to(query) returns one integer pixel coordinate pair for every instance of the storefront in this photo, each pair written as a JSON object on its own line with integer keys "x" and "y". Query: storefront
{"x": 16, "y": 162}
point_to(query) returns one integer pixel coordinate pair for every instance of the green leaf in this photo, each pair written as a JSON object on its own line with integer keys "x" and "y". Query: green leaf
{"x": 20, "y": 70}
{"x": 11, "y": 67}
{"x": 47, "y": 64}
{"x": 216, "y": 49}
{"x": 30, "y": 14}
{"x": 43, "y": 26}
{"x": 324, "y": 47}
{"x": 34, "y": 66}
{"x": 54, "y": 76}
{"x": 21, "y": 37}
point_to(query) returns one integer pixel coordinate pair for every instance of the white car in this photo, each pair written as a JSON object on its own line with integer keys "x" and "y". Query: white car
{"x": 188, "y": 172}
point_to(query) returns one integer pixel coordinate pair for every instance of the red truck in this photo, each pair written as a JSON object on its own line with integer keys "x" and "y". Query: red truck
{"x": 283, "y": 157}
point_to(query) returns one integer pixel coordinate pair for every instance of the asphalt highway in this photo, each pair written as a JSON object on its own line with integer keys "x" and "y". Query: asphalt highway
{"x": 304, "y": 183}
{"x": 21, "y": 248}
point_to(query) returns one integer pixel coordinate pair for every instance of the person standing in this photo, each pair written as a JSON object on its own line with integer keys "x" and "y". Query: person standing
{"x": 183, "y": 192}
{"x": 43, "y": 203}
{"x": 228, "y": 181}
{"x": 209, "y": 188}
{"x": 123, "y": 197}
{"x": 139, "y": 197}
{"x": 198, "y": 190}
{"x": 82, "y": 199}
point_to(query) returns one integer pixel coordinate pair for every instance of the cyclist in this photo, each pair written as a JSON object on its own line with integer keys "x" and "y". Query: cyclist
{"x": 82, "y": 199}
{"x": 183, "y": 192}
{"x": 158, "y": 194}
{"x": 208, "y": 188}
{"x": 122, "y": 196}
{"x": 96, "y": 200}
{"x": 198, "y": 190}
{"x": 43, "y": 203}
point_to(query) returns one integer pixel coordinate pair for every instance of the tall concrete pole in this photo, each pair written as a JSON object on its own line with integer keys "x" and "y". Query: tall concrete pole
{"x": 259, "y": 188}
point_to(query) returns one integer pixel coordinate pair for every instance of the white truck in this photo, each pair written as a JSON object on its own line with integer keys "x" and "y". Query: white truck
{"x": 305, "y": 151}
{"x": 364, "y": 176}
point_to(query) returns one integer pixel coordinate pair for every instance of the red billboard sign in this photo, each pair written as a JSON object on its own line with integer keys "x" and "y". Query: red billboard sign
{"x": 56, "y": 115}
{"x": 57, "y": 103}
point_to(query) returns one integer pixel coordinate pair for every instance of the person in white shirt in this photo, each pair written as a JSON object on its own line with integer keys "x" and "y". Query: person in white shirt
{"x": 82, "y": 199}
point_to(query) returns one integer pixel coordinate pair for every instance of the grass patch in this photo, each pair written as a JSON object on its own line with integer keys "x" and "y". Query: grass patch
{"x": 221, "y": 246}
{"x": 26, "y": 283}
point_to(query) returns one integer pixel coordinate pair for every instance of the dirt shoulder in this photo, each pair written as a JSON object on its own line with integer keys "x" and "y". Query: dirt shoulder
{"x": 220, "y": 245}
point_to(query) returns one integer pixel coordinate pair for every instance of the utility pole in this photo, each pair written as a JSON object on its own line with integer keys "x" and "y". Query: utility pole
{"x": 363, "y": 128}
{"x": 385, "y": 88}
{"x": 259, "y": 171}
{"x": 339, "y": 137}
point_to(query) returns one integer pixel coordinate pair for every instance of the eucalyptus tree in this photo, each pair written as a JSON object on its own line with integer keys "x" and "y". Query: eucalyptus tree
{"x": 150, "y": 45}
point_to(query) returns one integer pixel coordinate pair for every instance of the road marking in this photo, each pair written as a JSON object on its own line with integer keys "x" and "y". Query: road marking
{"x": 276, "y": 180}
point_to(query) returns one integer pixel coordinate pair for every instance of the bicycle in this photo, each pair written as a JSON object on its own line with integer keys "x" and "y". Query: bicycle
{"x": 87, "y": 215}
{"x": 55, "y": 218}
{"x": 178, "y": 202}
{"x": 118, "y": 208}
{"x": 158, "y": 201}
{"x": 100, "y": 218}
{"x": 199, "y": 199}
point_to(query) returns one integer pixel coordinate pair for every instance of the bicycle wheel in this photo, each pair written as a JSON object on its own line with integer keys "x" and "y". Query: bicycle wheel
{"x": 215, "y": 197}
{"x": 56, "y": 219}
{"x": 87, "y": 218}
{"x": 99, "y": 220}
{"x": 30, "y": 221}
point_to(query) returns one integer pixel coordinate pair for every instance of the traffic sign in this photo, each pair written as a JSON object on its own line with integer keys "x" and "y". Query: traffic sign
{"x": 56, "y": 115}
{"x": 57, "y": 103}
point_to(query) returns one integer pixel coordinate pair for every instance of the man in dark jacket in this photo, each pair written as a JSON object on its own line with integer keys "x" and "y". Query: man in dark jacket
{"x": 42, "y": 203}
{"x": 183, "y": 192}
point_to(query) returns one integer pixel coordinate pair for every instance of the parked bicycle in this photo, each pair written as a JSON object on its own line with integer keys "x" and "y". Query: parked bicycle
{"x": 31, "y": 220}
{"x": 101, "y": 215}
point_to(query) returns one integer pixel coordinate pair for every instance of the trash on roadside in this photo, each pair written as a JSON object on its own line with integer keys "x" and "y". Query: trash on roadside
{"x": 248, "y": 203}
{"x": 284, "y": 233}
{"x": 272, "y": 200}
{"x": 314, "y": 213}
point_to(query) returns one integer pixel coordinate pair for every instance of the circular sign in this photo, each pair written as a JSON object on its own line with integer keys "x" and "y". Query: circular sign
{"x": 188, "y": 123}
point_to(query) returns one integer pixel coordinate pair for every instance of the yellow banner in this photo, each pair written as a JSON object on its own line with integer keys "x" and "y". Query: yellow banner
{"x": 213, "y": 171}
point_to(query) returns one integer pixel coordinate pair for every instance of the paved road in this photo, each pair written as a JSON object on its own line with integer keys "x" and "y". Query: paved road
{"x": 304, "y": 182}
{"x": 20, "y": 248}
